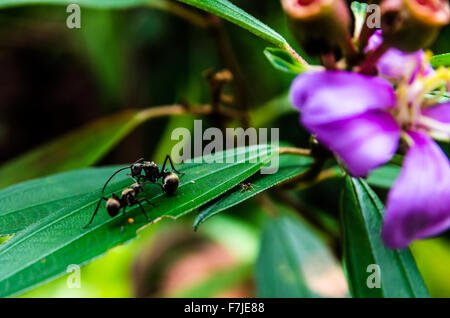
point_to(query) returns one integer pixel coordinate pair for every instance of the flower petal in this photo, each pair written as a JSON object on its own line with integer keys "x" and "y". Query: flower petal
{"x": 397, "y": 65}
{"x": 440, "y": 112}
{"x": 363, "y": 142}
{"x": 418, "y": 204}
{"x": 324, "y": 97}
{"x": 374, "y": 42}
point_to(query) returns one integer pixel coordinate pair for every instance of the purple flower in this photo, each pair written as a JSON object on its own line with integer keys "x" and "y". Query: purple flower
{"x": 361, "y": 119}
{"x": 348, "y": 113}
{"x": 396, "y": 65}
{"x": 418, "y": 205}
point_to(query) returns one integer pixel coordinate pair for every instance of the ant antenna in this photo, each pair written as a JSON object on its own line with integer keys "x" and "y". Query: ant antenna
{"x": 104, "y": 187}
{"x": 163, "y": 168}
{"x": 95, "y": 212}
{"x": 129, "y": 167}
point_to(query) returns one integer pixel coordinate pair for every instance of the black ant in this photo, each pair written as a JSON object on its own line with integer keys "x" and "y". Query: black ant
{"x": 127, "y": 198}
{"x": 152, "y": 174}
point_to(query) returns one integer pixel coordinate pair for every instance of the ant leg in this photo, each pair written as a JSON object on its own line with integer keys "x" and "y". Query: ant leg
{"x": 148, "y": 201}
{"x": 171, "y": 164}
{"x": 123, "y": 216}
{"x": 135, "y": 181}
{"x": 142, "y": 209}
{"x": 95, "y": 212}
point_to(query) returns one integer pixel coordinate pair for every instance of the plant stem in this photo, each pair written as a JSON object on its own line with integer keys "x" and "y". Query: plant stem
{"x": 174, "y": 110}
{"x": 294, "y": 151}
{"x": 231, "y": 62}
{"x": 295, "y": 55}
{"x": 369, "y": 65}
{"x": 366, "y": 32}
{"x": 327, "y": 174}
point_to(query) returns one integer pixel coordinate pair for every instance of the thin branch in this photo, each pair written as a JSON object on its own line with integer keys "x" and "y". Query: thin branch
{"x": 174, "y": 110}
{"x": 366, "y": 32}
{"x": 294, "y": 151}
{"x": 295, "y": 55}
{"x": 231, "y": 62}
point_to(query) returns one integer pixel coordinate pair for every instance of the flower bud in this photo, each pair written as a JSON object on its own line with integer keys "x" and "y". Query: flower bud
{"x": 320, "y": 26}
{"x": 410, "y": 25}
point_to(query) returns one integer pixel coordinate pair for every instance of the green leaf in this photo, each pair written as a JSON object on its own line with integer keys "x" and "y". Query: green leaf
{"x": 228, "y": 11}
{"x": 440, "y": 60}
{"x": 384, "y": 177}
{"x": 283, "y": 61}
{"x": 45, "y": 248}
{"x": 361, "y": 215}
{"x": 294, "y": 262}
{"x": 222, "y": 8}
{"x": 101, "y": 4}
{"x": 289, "y": 166}
{"x": 26, "y": 203}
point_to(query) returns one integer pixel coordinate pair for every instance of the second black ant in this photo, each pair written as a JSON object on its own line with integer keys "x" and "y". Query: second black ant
{"x": 128, "y": 198}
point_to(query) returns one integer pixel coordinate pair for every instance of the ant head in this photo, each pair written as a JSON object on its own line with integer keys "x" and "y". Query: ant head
{"x": 136, "y": 169}
{"x": 136, "y": 188}
{"x": 170, "y": 183}
{"x": 113, "y": 206}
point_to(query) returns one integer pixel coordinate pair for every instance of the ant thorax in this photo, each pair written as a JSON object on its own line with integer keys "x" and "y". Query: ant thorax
{"x": 151, "y": 171}
{"x": 129, "y": 196}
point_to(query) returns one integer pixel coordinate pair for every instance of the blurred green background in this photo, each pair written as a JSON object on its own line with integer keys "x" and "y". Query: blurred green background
{"x": 54, "y": 80}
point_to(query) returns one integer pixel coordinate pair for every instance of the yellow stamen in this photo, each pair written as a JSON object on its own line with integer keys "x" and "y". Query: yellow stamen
{"x": 441, "y": 77}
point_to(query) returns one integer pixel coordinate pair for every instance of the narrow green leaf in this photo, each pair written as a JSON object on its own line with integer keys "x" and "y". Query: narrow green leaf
{"x": 289, "y": 166}
{"x": 283, "y": 61}
{"x": 228, "y": 11}
{"x": 440, "y": 60}
{"x": 45, "y": 248}
{"x": 367, "y": 260}
{"x": 294, "y": 262}
{"x": 222, "y": 8}
{"x": 101, "y": 4}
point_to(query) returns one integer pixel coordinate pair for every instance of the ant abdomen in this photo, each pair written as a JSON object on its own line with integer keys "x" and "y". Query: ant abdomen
{"x": 113, "y": 207}
{"x": 170, "y": 183}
